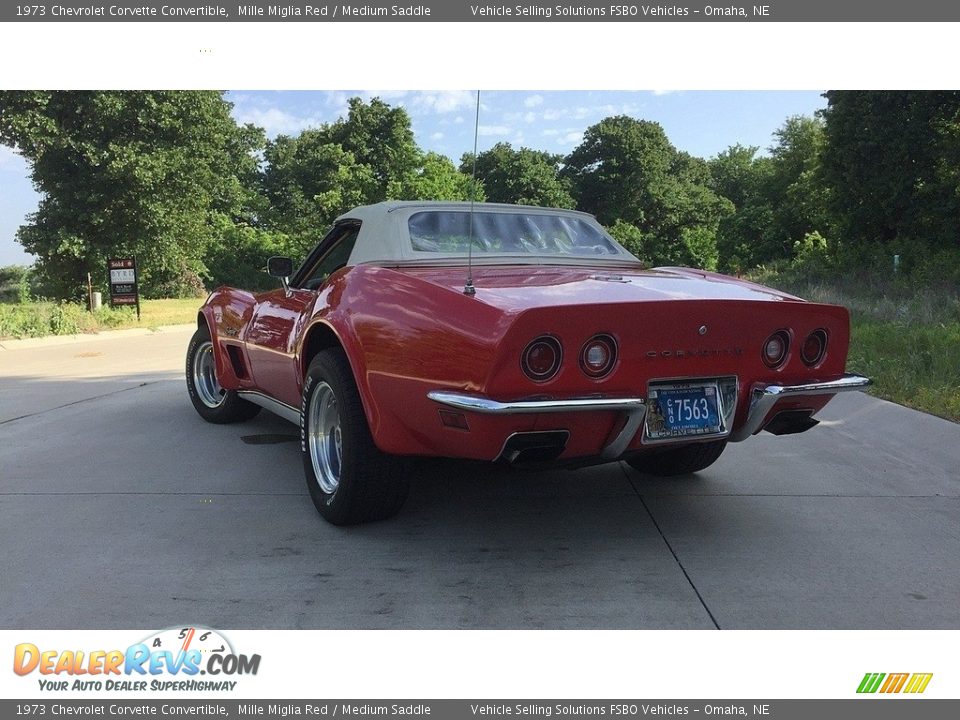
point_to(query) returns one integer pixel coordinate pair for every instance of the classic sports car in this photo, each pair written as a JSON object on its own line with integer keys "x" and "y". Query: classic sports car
{"x": 498, "y": 332}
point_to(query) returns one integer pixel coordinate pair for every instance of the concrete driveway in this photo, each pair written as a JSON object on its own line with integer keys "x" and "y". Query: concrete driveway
{"x": 120, "y": 507}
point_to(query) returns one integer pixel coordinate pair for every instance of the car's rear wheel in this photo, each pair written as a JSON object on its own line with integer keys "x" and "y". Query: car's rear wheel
{"x": 349, "y": 479}
{"x": 678, "y": 461}
{"x": 214, "y": 403}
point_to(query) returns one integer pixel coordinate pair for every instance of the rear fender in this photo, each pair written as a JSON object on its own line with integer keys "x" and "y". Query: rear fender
{"x": 332, "y": 330}
{"x": 403, "y": 338}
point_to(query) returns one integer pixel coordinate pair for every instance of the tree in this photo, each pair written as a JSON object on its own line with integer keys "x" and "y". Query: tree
{"x": 15, "y": 284}
{"x": 891, "y": 163}
{"x": 367, "y": 157}
{"x": 620, "y": 170}
{"x": 742, "y": 177}
{"x": 738, "y": 174}
{"x": 308, "y": 181}
{"x": 145, "y": 173}
{"x": 524, "y": 176}
{"x": 627, "y": 170}
{"x": 436, "y": 179}
{"x": 632, "y": 239}
{"x": 794, "y": 189}
{"x": 381, "y": 138}
{"x": 778, "y": 200}
{"x": 238, "y": 256}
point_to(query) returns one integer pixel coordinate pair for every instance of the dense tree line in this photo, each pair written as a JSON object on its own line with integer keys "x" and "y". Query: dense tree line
{"x": 158, "y": 174}
{"x": 171, "y": 177}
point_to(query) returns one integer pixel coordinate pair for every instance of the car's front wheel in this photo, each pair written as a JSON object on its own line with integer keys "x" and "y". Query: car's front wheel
{"x": 678, "y": 461}
{"x": 214, "y": 403}
{"x": 349, "y": 479}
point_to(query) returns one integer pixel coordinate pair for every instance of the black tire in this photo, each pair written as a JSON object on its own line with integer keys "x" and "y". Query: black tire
{"x": 213, "y": 403}
{"x": 678, "y": 461}
{"x": 350, "y": 480}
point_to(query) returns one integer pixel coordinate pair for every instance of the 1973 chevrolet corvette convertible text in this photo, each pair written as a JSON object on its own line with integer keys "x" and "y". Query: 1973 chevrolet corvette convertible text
{"x": 550, "y": 343}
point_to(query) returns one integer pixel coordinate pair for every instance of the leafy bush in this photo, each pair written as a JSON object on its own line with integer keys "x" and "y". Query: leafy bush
{"x": 699, "y": 248}
{"x": 47, "y": 318}
{"x": 813, "y": 247}
{"x": 812, "y": 257}
{"x": 630, "y": 237}
{"x": 15, "y": 284}
{"x": 183, "y": 283}
{"x": 23, "y": 321}
{"x": 921, "y": 262}
{"x": 239, "y": 257}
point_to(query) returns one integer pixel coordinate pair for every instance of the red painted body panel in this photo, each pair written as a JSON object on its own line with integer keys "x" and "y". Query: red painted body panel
{"x": 411, "y": 330}
{"x": 226, "y": 312}
{"x": 277, "y": 321}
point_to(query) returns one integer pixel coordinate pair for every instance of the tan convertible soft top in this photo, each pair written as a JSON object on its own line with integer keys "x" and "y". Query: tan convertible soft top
{"x": 385, "y": 237}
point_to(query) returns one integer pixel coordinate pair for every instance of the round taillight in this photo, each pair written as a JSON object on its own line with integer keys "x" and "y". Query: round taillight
{"x": 541, "y": 358}
{"x": 598, "y": 356}
{"x": 775, "y": 349}
{"x": 814, "y": 347}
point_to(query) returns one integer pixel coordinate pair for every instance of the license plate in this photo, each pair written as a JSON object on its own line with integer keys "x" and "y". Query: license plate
{"x": 683, "y": 410}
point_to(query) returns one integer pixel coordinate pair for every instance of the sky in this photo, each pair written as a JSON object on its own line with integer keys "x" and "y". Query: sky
{"x": 702, "y": 123}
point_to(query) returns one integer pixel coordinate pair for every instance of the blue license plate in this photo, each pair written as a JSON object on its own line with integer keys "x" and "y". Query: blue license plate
{"x": 682, "y": 410}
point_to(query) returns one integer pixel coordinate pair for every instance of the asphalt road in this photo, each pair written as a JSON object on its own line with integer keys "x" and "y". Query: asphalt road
{"x": 120, "y": 507}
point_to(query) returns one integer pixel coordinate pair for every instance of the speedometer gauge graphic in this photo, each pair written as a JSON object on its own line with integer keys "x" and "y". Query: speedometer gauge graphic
{"x": 183, "y": 639}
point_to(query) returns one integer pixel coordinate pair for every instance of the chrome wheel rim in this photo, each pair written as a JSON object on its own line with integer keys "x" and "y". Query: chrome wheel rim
{"x": 205, "y": 376}
{"x": 325, "y": 438}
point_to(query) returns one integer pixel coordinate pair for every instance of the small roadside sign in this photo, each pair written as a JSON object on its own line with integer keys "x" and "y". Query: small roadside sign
{"x": 123, "y": 282}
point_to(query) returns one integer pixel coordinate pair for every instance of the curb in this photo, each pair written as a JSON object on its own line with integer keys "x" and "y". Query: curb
{"x": 53, "y": 340}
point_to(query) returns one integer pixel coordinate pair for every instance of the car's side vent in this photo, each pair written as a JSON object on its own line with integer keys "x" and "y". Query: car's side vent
{"x": 236, "y": 361}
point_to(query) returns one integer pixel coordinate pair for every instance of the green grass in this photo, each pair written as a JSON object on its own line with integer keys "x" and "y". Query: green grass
{"x": 914, "y": 365}
{"x": 38, "y": 319}
{"x": 906, "y": 337}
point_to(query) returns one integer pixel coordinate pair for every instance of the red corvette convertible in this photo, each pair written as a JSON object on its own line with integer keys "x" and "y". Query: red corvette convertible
{"x": 496, "y": 332}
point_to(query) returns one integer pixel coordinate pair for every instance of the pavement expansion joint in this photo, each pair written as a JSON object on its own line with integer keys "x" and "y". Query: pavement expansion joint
{"x": 77, "y": 402}
{"x": 670, "y": 547}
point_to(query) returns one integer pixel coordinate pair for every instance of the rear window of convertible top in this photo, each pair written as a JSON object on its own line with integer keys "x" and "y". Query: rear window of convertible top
{"x": 451, "y": 231}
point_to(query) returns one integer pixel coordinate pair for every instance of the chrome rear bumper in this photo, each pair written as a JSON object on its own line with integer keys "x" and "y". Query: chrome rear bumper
{"x": 634, "y": 407}
{"x": 764, "y": 397}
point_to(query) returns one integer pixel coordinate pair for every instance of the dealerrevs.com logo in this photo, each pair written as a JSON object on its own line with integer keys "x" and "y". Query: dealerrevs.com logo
{"x": 911, "y": 683}
{"x": 172, "y": 659}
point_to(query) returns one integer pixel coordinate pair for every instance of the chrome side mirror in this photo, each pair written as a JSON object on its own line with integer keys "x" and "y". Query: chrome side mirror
{"x": 280, "y": 267}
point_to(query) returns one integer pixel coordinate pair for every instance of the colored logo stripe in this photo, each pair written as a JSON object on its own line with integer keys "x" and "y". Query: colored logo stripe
{"x": 870, "y": 682}
{"x": 894, "y": 682}
{"x": 918, "y": 683}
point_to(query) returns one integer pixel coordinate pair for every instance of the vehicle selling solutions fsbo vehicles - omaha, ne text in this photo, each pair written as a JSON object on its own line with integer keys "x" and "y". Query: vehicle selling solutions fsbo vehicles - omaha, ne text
{"x": 550, "y": 343}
